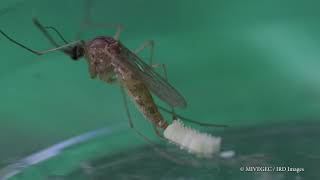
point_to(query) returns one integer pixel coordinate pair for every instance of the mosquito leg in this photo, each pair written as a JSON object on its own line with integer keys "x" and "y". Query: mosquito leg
{"x": 147, "y": 44}
{"x": 164, "y": 69}
{"x": 150, "y": 44}
{"x": 130, "y": 118}
{"x": 191, "y": 120}
{"x": 157, "y": 131}
{"x": 86, "y": 19}
{"x": 87, "y": 22}
{"x": 65, "y": 46}
{"x": 154, "y": 146}
{"x": 116, "y": 36}
{"x": 126, "y": 107}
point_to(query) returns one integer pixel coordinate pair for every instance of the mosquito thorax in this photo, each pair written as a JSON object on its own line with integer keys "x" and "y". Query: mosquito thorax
{"x": 101, "y": 41}
{"x": 104, "y": 42}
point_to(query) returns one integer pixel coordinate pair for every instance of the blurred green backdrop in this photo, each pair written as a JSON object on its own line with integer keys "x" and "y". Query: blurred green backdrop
{"x": 236, "y": 62}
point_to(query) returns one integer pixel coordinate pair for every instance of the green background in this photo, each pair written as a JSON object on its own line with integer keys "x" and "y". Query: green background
{"x": 240, "y": 63}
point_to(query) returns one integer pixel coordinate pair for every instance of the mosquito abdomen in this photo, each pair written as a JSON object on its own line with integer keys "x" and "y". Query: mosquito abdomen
{"x": 141, "y": 96}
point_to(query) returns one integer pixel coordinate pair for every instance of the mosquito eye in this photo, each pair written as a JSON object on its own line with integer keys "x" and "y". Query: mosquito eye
{"x": 77, "y": 52}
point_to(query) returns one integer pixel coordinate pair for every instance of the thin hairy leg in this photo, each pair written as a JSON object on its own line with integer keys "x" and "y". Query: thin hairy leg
{"x": 150, "y": 45}
{"x": 87, "y": 22}
{"x": 154, "y": 146}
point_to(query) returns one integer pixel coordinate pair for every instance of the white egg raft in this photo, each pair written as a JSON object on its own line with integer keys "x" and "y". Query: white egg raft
{"x": 200, "y": 144}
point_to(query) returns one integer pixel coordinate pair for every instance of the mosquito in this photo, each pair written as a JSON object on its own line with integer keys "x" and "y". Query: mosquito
{"x": 113, "y": 63}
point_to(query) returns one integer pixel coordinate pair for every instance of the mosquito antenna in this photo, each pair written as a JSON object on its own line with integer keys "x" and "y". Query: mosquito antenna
{"x": 190, "y": 120}
{"x": 19, "y": 44}
{"x": 42, "y": 28}
{"x": 58, "y": 33}
{"x": 44, "y": 31}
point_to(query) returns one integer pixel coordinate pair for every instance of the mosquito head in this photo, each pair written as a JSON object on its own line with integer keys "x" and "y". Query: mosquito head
{"x": 77, "y": 52}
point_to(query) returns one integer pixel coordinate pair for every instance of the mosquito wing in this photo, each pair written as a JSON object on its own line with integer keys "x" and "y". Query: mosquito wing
{"x": 155, "y": 83}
